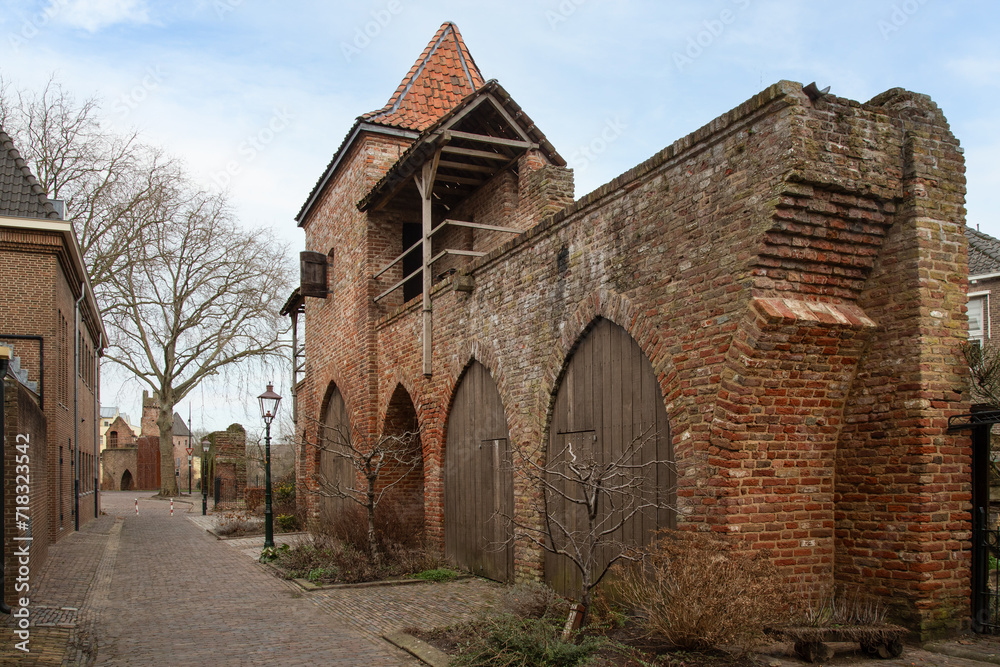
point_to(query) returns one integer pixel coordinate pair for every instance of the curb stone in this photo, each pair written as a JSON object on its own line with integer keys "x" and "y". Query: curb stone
{"x": 418, "y": 648}
{"x": 959, "y": 652}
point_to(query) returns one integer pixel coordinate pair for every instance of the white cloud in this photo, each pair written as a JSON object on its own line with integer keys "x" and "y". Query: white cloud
{"x": 94, "y": 15}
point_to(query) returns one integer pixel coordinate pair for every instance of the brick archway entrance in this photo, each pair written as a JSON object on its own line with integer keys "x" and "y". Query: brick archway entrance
{"x": 609, "y": 404}
{"x": 406, "y": 497}
{"x": 127, "y": 482}
{"x": 478, "y": 481}
{"x": 332, "y": 469}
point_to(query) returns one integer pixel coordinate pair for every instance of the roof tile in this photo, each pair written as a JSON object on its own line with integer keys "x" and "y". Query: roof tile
{"x": 20, "y": 194}
{"x": 984, "y": 253}
{"x": 442, "y": 76}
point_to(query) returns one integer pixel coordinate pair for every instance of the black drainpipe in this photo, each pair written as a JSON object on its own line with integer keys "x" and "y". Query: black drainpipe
{"x": 3, "y": 482}
{"x": 76, "y": 408}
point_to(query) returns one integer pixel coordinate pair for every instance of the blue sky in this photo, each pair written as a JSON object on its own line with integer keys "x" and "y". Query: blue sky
{"x": 272, "y": 88}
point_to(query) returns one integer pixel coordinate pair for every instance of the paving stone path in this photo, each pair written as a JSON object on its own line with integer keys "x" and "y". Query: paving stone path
{"x": 156, "y": 589}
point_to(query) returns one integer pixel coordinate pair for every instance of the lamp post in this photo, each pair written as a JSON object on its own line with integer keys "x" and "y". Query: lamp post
{"x": 205, "y": 445}
{"x": 268, "y": 408}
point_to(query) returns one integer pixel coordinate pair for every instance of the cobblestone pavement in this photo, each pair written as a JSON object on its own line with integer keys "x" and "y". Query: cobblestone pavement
{"x": 156, "y": 589}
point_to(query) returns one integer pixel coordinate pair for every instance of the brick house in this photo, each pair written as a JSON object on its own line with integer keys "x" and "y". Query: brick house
{"x": 777, "y": 298}
{"x": 984, "y": 284}
{"x": 49, "y": 318}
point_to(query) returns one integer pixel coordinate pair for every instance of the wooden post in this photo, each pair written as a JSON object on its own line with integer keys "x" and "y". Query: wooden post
{"x": 425, "y": 184}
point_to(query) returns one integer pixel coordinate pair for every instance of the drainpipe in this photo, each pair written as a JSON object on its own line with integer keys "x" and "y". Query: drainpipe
{"x": 76, "y": 408}
{"x": 4, "y": 358}
{"x": 97, "y": 421}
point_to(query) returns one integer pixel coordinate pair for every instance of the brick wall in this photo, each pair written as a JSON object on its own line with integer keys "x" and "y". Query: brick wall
{"x": 38, "y": 299}
{"x": 23, "y": 417}
{"x": 794, "y": 271}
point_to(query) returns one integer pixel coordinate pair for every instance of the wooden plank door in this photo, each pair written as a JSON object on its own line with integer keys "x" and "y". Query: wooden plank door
{"x": 478, "y": 481}
{"x": 333, "y": 469}
{"x": 607, "y": 400}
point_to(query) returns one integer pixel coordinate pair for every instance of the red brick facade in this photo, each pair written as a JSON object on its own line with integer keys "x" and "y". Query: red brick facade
{"x": 795, "y": 272}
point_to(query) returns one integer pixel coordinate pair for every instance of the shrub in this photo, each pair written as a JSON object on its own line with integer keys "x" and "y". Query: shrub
{"x": 254, "y": 497}
{"x": 699, "y": 592}
{"x": 509, "y": 641}
{"x": 325, "y": 559}
{"x": 531, "y": 599}
{"x": 286, "y": 523}
{"x": 392, "y": 529}
{"x": 235, "y": 523}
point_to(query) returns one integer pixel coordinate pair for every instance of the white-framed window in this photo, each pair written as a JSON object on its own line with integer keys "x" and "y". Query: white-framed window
{"x": 979, "y": 321}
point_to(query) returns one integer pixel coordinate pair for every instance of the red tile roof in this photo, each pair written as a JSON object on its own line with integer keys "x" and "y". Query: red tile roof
{"x": 442, "y": 76}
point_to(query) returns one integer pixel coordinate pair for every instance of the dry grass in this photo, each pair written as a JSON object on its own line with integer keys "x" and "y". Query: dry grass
{"x": 699, "y": 592}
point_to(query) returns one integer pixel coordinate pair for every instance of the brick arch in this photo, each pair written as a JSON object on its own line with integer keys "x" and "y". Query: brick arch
{"x": 407, "y": 484}
{"x": 618, "y": 309}
{"x": 399, "y": 381}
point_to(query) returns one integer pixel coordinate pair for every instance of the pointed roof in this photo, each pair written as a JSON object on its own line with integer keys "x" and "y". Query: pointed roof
{"x": 439, "y": 80}
{"x": 20, "y": 194}
{"x": 984, "y": 253}
{"x": 442, "y": 76}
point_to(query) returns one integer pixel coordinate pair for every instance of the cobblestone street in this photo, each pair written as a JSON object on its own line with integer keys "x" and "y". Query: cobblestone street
{"x": 162, "y": 590}
{"x": 155, "y": 589}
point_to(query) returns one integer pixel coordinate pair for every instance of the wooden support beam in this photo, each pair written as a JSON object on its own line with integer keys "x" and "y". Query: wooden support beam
{"x": 460, "y": 253}
{"x": 466, "y": 166}
{"x": 425, "y": 184}
{"x": 472, "y": 152}
{"x": 396, "y": 261}
{"x": 487, "y": 139}
{"x": 398, "y": 285}
{"x": 475, "y": 225}
{"x": 479, "y": 225}
{"x": 461, "y": 180}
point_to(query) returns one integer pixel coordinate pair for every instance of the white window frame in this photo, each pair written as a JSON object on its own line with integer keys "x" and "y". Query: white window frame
{"x": 984, "y": 296}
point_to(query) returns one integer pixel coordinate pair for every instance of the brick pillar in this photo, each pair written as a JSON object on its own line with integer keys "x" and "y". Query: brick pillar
{"x": 903, "y": 483}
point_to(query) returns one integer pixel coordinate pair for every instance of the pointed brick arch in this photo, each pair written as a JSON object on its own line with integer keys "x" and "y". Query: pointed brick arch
{"x": 617, "y": 309}
{"x": 478, "y": 480}
{"x": 334, "y": 425}
{"x": 406, "y": 497}
{"x": 607, "y": 399}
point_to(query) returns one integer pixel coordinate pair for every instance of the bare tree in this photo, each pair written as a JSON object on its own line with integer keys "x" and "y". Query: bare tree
{"x": 185, "y": 291}
{"x": 376, "y": 465}
{"x": 197, "y": 295}
{"x": 113, "y": 186}
{"x": 984, "y": 365}
{"x": 586, "y": 502}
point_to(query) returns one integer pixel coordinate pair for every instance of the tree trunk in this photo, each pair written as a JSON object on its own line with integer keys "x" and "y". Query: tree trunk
{"x": 165, "y": 422}
{"x": 372, "y": 542}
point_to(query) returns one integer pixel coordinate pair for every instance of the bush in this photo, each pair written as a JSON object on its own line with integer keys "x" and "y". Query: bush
{"x": 235, "y": 523}
{"x": 286, "y": 523}
{"x": 509, "y": 641}
{"x": 392, "y": 529}
{"x": 699, "y": 592}
{"x": 254, "y": 497}
{"x": 327, "y": 560}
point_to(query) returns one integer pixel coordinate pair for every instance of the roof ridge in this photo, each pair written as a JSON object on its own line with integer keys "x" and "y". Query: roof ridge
{"x": 35, "y": 189}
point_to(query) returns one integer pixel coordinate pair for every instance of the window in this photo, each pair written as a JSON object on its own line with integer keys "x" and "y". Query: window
{"x": 113, "y": 439}
{"x": 979, "y": 328}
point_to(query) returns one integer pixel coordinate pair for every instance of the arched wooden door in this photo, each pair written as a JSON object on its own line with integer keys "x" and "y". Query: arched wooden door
{"x": 478, "y": 481}
{"x": 609, "y": 405}
{"x": 335, "y": 432}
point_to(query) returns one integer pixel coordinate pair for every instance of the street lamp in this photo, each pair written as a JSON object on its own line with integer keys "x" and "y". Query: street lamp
{"x": 205, "y": 445}
{"x": 268, "y": 408}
